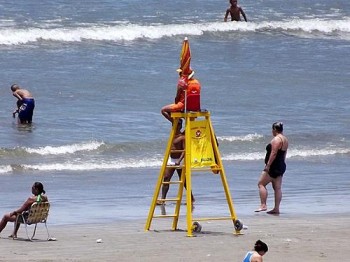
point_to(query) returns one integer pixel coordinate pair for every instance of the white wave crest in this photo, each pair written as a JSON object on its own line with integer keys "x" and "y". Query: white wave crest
{"x": 307, "y": 25}
{"x": 113, "y": 165}
{"x": 245, "y": 156}
{"x": 293, "y": 153}
{"x": 156, "y": 162}
{"x": 249, "y": 137}
{"x": 130, "y": 32}
{"x": 316, "y": 152}
{"x": 5, "y": 169}
{"x": 68, "y": 149}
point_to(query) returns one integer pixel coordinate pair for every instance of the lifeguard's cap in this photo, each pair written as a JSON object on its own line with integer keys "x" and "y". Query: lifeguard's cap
{"x": 179, "y": 70}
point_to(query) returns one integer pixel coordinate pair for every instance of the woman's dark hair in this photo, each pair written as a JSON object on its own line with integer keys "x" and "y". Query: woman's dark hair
{"x": 260, "y": 246}
{"x": 39, "y": 186}
{"x": 277, "y": 126}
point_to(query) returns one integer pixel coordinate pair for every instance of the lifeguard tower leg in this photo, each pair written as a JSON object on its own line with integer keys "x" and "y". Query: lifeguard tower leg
{"x": 179, "y": 197}
{"x": 188, "y": 174}
{"x": 223, "y": 178}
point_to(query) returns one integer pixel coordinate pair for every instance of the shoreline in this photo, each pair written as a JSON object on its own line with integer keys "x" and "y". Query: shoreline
{"x": 306, "y": 238}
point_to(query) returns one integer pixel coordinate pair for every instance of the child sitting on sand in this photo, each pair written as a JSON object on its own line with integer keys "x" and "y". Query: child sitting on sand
{"x": 260, "y": 249}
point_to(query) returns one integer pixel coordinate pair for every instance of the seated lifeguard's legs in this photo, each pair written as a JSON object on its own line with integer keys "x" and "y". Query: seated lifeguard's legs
{"x": 166, "y": 110}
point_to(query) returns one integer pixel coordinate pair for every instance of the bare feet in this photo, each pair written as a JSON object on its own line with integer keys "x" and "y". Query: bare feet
{"x": 260, "y": 210}
{"x": 273, "y": 212}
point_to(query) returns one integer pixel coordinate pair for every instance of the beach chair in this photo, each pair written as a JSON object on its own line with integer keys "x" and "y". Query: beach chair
{"x": 38, "y": 213}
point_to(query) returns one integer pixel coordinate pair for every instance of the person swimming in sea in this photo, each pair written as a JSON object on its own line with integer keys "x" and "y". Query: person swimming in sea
{"x": 235, "y": 12}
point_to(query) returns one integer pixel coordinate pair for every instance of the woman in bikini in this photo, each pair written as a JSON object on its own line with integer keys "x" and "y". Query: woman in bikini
{"x": 275, "y": 166}
{"x": 38, "y": 196}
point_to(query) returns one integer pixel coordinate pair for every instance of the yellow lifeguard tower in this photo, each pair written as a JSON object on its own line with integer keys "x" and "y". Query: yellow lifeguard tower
{"x": 201, "y": 154}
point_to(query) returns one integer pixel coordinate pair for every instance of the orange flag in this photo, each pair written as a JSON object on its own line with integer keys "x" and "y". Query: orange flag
{"x": 185, "y": 58}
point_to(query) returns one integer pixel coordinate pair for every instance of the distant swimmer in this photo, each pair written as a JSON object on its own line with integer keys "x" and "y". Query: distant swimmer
{"x": 235, "y": 11}
{"x": 25, "y": 104}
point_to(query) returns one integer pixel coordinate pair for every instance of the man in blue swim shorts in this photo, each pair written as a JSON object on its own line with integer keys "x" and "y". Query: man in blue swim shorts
{"x": 25, "y": 104}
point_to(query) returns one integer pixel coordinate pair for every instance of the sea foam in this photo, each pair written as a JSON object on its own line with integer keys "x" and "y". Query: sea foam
{"x": 313, "y": 28}
{"x": 67, "y": 149}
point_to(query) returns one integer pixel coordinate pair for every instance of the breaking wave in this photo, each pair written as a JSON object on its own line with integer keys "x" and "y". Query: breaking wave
{"x": 67, "y": 149}
{"x": 155, "y": 161}
{"x": 292, "y": 153}
{"x": 313, "y": 28}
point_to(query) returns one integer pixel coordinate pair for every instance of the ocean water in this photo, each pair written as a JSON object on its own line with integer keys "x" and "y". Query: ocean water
{"x": 100, "y": 72}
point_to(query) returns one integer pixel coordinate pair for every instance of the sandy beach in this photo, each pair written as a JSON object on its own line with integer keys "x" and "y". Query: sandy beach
{"x": 311, "y": 238}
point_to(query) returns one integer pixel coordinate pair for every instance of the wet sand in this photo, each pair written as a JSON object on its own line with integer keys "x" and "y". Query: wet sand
{"x": 309, "y": 238}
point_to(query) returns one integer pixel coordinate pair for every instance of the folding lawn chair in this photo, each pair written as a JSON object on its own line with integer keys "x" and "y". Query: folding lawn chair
{"x": 38, "y": 213}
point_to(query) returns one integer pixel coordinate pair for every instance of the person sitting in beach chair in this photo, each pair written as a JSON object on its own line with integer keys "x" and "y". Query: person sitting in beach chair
{"x": 37, "y": 213}
{"x": 37, "y": 197}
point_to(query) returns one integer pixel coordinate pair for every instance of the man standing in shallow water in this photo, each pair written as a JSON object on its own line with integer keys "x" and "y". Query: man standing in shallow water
{"x": 235, "y": 11}
{"x": 25, "y": 104}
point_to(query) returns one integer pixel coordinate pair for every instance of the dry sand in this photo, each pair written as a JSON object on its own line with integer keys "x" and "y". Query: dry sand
{"x": 311, "y": 238}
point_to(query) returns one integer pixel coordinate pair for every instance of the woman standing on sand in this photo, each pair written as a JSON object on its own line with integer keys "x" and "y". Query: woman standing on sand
{"x": 274, "y": 169}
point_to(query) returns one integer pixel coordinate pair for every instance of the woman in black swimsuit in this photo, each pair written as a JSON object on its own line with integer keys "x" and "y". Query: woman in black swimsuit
{"x": 275, "y": 167}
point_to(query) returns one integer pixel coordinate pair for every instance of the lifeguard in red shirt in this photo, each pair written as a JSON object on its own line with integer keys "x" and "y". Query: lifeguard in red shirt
{"x": 179, "y": 104}
{"x": 188, "y": 94}
{"x": 188, "y": 88}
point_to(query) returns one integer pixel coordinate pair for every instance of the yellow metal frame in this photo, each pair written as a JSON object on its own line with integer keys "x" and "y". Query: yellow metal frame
{"x": 186, "y": 176}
